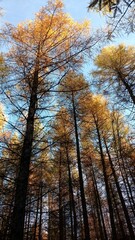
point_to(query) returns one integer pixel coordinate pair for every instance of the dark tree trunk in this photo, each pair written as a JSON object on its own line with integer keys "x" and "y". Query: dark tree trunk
{"x": 124, "y": 168}
{"x": 128, "y": 221}
{"x": 5, "y": 226}
{"x": 83, "y": 200}
{"x": 127, "y": 86}
{"x": 98, "y": 207}
{"x": 49, "y": 216}
{"x": 61, "y": 225}
{"x": 74, "y": 237}
{"x": 121, "y": 224}
{"x": 36, "y": 219}
{"x": 28, "y": 218}
{"x": 17, "y": 228}
{"x": 118, "y": 150}
{"x": 41, "y": 205}
{"x": 79, "y": 214}
{"x": 111, "y": 213}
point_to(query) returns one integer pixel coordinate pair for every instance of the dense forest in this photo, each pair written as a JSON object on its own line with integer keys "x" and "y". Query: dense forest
{"x": 67, "y": 141}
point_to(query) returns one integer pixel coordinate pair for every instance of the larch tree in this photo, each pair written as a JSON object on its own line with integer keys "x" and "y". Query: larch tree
{"x": 63, "y": 142}
{"x": 67, "y": 159}
{"x": 41, "y": 53}
{"x": 98, "y": 126}
{"x": 9, "y": 162}
{"x": 116, "y": 71}
{"x": 72, "y": 86}
{"x": 97, "y": 113}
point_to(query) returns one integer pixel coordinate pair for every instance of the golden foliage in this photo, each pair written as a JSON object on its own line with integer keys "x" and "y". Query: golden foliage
{"x": 2, "y": 118}
{"x": 50, "y": 27}
{"x": 113, "y": 58}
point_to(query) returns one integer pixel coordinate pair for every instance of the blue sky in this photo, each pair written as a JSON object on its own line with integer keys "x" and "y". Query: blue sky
{"x": 20, "y": 10}
{"x": 16, "y": 11}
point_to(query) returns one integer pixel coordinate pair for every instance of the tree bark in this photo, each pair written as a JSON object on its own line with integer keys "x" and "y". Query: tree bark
{"x": 111, "y": 213}
{"x": 83, "y": 200}
{"x": 128, "y": 221}
{"x": 127, "y": 86}
{"x": 41, "y": 206}
{"x": 72, "y": 197}
{"x": 61, "y": 225}
{"x": 121, "y": 225}
{"x": 98, "y": 206}
{"x": 36, "y": 218}
{"x": 17, "y": 228}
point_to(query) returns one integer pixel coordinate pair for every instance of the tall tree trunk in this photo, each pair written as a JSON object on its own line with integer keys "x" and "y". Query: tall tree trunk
{"x": 111, "y": 213}
{"x": 71, "y": 196}
{"x": 61, "y": 227}
{"x": 79, "y": 214}
{"x": 41, "y": 206}
{"x": 92, "y": 201}
{"x": 71, "y": 218}
{"x": 5, "y": 226}
{"x": 36, "y": 219}
{"x": 17, "y": 228}
{"x": 123, "y": 170}
{"x": 98, "y": 206}
{"x": 128, "y": 221}
{"x": 83, "y": 200}
{"x": 28, "y": 217}
{"x": 122, "y": 230}
{"x": 49, "y": 216}
{"x": 127, "y": 86}
{"x": 124, "y": 167}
